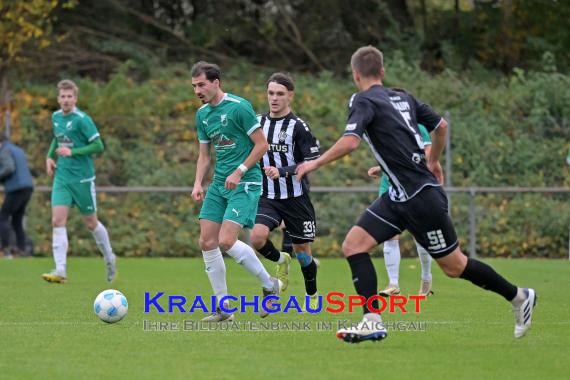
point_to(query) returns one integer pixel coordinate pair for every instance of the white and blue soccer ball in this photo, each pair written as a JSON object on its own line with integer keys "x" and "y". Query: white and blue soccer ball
{"x": 111, "y": 306}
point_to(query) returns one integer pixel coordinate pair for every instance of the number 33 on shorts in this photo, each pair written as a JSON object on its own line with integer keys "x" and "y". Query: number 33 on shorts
{"x": 309, "y": 229}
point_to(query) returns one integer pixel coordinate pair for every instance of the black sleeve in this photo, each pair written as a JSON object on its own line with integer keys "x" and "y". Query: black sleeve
{"x": 360, "y": 115}
{"x": 306, "y": 143}
{"x": 426, "y": 116}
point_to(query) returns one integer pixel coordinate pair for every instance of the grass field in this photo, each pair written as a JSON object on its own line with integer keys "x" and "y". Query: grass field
{"x": 50, "y": 330}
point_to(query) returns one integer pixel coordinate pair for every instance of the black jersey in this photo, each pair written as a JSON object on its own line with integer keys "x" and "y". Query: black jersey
{"x": 388, "y": 120}
{"x": 290, "y": 143}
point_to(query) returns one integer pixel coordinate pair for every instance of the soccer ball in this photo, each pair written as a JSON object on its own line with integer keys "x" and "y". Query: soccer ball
{"x": 111, "y": 306}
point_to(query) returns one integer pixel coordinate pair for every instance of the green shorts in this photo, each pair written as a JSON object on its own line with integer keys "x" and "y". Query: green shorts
{"x": 80, "y": 194}
{"x": 238, "y": 205}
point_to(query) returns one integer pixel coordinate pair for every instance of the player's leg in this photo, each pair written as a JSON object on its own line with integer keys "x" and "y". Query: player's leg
{"x": 241, "y": 212}
{"x": 309, "y": 269}
{"x": 300, "y": 221}
{"x": 287, "y": 242}
{"x": 85, "y": 197}
{"x": 260, "y": 240}
{"x": 211, "y": 216}
{"x": 457, "y": 265}
{"x": 61, "y": 201}
{"x": 429, "y": 222}
{"x": 392, "y": 259}
{"x": 244, "y": 255}
{"x": 59, "y": 245}
{"x": 376, "y": 225}
{"x": 425, "y": 262}
{"x": 266, "y": 220}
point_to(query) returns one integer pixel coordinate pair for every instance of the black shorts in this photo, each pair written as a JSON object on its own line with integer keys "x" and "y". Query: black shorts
{"x": 425, "y": 216}
{"x": 297, "y": 213}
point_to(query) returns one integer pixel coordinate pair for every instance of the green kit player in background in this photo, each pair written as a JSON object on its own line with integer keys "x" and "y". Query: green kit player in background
{"x": 75, "y": 140}
{"x": 229, "y": 124}
{"x": 392, "y": 246}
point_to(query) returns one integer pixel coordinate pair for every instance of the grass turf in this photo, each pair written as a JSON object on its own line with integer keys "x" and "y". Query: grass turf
{"x": 50, "y": 330}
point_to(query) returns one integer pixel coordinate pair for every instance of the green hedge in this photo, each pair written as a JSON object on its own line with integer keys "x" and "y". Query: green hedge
{"x": 505, "y": 132}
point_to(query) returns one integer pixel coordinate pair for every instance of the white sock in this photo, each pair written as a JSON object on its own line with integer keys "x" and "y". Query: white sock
{"x": 392, "y": 260}
{"x": 244, "y": 255}
{"x": 216, "y": 271}
{"x": 519, "y": 298}
{"x": 59, "y": 246}
{"x": 425, "y": 260}
{"x": 101, "y": 237}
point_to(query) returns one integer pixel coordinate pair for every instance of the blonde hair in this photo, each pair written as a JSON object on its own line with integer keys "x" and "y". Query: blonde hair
{"x": 368, "y": 61}
{"x": 67, "y": 84}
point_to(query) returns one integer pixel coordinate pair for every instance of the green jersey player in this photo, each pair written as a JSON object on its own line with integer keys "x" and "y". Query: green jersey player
{"x": 229, "y": 124}
{"x": 75, "y": 140}
{"x": 392, "y": 246}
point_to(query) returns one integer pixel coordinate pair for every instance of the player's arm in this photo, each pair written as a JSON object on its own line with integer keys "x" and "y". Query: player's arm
{"x": 259, "y": 149}
{"x": 50, "y": 159}
{"x": 202, "y": 168}
{"x": 341, "y": 148}
{"x": 95, "y": 147}
{"x": 437, "y": 128}
{"x": 437, "y": 145}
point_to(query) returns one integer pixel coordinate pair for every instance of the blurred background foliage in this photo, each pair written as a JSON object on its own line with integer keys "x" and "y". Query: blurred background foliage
{"x": 500, "y": 68}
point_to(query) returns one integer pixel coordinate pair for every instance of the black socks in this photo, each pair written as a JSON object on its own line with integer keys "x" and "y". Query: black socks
{"x": 485, "y": 277}
{"x": 364, "y": 277}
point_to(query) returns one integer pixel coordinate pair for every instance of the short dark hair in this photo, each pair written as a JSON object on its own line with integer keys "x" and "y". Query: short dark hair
{"x": 282, "y": 79}
{"x": 211, "y": 70}
{"x": 368, "y": 61}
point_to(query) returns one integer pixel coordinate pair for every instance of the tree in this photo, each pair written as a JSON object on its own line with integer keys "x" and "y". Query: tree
{"x": 25, "y": 24}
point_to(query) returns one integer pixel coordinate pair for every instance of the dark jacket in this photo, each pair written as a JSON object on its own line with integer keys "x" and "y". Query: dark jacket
{"x": 21, "y": 178}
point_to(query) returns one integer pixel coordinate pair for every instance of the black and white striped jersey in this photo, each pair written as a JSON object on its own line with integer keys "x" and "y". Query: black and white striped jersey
{"x": 290, "y": 143}
{"x": 387, "y": 119}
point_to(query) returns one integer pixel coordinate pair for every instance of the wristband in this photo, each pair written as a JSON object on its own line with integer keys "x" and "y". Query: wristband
{"x": 242, "y": 168}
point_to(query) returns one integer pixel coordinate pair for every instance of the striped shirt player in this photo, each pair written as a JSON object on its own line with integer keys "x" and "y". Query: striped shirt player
{"x": 290, "y": 143}
{"x": 287, "y": 198}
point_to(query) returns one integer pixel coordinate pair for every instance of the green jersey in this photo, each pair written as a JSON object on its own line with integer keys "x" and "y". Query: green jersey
{"x": 384, "y": 183}
{"x": 228, "y": 126}
{"x": 74, "y": 130}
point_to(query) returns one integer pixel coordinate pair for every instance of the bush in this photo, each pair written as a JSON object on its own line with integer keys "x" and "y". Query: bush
{"x": 505, "y": 132}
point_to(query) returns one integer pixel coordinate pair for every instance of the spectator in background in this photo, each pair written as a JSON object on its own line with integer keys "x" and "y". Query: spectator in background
{"x": 18, "y": 188}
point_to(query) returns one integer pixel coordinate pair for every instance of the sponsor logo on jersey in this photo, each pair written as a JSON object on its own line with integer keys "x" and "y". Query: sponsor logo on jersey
{"x": 222, "y": 142}
{"x": 350, "y": 127}
{"x": 281, "y": 148}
